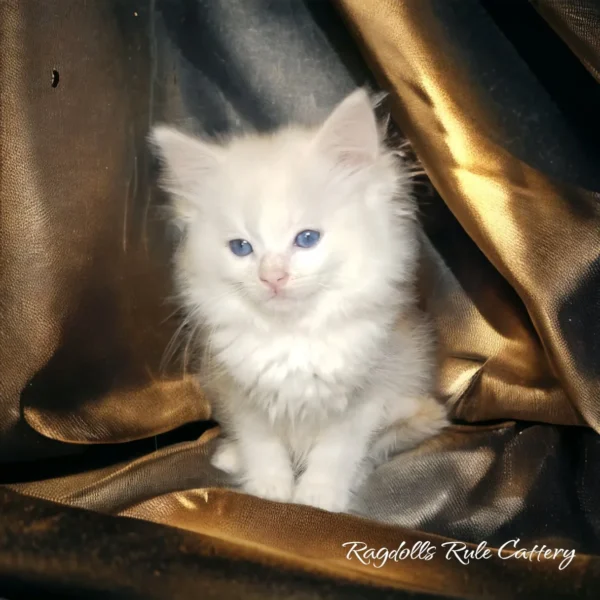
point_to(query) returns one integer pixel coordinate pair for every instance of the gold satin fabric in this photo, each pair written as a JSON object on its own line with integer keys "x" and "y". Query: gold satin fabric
{"x": 83, "y": 298}
{"x": 505, "y": 354}
{"x": 178, "y": 487}
{"x": 578, "y": 23}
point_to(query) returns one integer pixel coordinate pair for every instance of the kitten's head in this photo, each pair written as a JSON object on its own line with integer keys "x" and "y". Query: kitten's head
{"x": 299, "y": 220}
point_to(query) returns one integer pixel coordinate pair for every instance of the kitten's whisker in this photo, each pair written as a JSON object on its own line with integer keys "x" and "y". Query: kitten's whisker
{"x": 186, "y": 352}
{"x": 178, "y": 338}
{"x": 177, "y": 310}
{"x": 172, "y": 346}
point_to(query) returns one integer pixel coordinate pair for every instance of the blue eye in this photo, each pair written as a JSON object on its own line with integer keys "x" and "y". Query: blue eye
{"x": 240, "y": 247}
{"x": 307, "y": 239}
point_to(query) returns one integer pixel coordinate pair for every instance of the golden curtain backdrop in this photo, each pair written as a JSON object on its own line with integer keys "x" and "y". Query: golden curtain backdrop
{"x": 509, "y": 295}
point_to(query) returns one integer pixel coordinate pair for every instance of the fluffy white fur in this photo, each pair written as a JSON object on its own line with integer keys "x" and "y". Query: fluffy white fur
{"x": 315, "y": 385}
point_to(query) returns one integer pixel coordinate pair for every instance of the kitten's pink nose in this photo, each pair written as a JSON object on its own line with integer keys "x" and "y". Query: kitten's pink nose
{"x": 275, "y": 278}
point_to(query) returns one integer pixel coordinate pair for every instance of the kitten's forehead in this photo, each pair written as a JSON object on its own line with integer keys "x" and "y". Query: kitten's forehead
{"x": 268, "y": 161}
{"x": 267, "y": 182}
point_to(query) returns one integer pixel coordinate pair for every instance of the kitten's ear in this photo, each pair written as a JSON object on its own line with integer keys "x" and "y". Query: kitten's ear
{"x": 350, "y": 134}
{"x": 186, "y": 163}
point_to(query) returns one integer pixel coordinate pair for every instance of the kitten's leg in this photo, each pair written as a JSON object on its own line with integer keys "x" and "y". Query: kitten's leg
{"x": 266, "y": 468}
{"x": 227, "y": 457}
{"x": 334, "y": 464}
{"x": 404, "y": 431}
{"x": 343, "y": 454}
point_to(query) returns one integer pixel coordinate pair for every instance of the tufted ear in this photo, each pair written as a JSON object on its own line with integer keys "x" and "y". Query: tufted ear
{"x": 187, "y": 162}
{"x": 350, "y": 135}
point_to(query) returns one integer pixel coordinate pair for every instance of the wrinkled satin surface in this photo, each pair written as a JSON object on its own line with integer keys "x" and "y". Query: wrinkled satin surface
{"x": 516, "y": 290}
{"x": 510, "y": 272}
{"x": 577, "y": 22}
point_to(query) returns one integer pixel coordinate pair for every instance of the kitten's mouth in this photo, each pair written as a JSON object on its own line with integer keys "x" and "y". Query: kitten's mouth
{"x": 275, "y": 295}
{"x": 279, "y": 300}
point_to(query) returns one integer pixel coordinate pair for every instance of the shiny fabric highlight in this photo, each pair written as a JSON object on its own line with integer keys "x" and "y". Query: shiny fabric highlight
{"x": 538, "y": 233}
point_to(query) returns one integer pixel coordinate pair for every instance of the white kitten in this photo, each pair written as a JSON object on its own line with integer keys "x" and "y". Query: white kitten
{"x": 298, "y": 257}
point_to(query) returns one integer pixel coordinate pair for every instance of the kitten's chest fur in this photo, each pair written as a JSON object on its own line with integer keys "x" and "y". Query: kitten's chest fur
{"x": 299, "y": 374}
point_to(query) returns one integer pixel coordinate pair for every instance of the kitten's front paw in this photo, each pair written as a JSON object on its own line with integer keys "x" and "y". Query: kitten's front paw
{"x": 226, "y": 457}
{"x": 277, "y": 486}
{"x": 322, "y": 495}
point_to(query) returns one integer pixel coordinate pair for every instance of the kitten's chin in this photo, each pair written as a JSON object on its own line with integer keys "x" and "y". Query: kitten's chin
{"x": 284, "y": 302}
{"x": 281, "y": 303}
